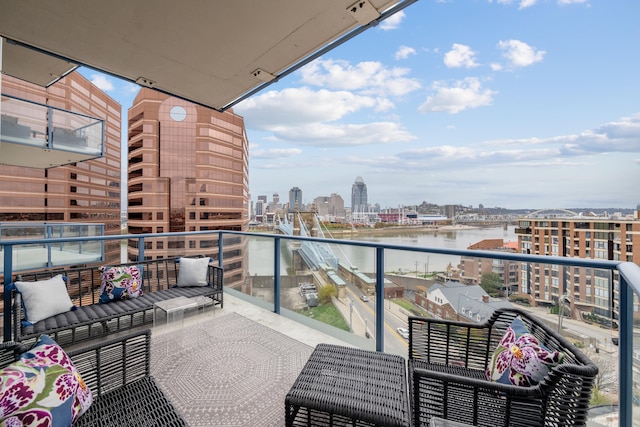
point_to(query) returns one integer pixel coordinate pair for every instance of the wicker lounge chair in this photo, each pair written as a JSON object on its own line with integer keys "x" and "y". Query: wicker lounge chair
{"x": 117, "y": 372}
{"x": 447, "y": 379}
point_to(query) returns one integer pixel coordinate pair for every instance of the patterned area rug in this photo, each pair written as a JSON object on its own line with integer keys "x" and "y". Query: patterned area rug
{"x": 228, "y": 371}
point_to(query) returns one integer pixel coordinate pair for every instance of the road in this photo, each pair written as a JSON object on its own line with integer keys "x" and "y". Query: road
{"x": 364, "y": 316}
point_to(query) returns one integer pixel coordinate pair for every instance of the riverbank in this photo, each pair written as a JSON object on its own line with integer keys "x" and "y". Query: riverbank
{"x": 400, "y": 229}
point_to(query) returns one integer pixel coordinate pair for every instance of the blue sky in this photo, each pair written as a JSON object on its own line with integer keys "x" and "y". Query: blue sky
{"x": 510, "y": 103}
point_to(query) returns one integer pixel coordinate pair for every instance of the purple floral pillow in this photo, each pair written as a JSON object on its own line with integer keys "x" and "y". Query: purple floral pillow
{"x": 120, "y": 283}
{"x": 43, "y": 388}
{"x": 520, "y": 359}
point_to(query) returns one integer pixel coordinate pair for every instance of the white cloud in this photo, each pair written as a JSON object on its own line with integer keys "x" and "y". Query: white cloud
{"x": 460, "y": 56}
{"x": 366, "y": 78}
{"x": 339, "y": 135}
{"x": 527, "y": 3}
{"x": 464, "y": 94}
{"x": 520, "y": 54}
{"x": 302, "y": 116}
{"x": 622, "y": 136}
{"x": 296, "y": 106}
{"x": 130, "y": 88}
{"x": 404, "y": 51}
{"x": 273, "y": 153}
{"x": 495, "y": 66}
{"x": 102, "y": 82}
{"x": 392, "y": 22}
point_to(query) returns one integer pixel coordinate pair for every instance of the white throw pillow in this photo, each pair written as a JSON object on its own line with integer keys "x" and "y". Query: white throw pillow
{"x": 193, "y": 271}
{"x": 44, "y": 298}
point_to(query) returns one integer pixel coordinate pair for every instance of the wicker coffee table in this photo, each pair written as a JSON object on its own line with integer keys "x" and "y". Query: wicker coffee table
{"x": 347, "y": 386}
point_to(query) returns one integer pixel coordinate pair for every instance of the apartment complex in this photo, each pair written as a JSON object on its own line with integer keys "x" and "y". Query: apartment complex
{"x": 88, "y": 191}
{"x": 473, "y": 268}
{"x": 188, "y": 171}
{"x": 593, "y": 237}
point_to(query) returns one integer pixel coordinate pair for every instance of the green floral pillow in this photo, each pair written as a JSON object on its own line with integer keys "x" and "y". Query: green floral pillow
{"x": 43, "y": 388}
{"x": 520, "y": 359}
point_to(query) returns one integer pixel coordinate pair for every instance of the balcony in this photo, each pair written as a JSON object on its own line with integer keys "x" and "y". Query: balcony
{"x": 40, "y": 136}
{"x": 270, "y": 299}
{"x": 48, "y": 255}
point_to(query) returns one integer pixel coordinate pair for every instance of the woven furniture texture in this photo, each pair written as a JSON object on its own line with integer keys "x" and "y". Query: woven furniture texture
{"x": 91, "y": 319}
{"x": 117, "y": 372}
{"x": 346, "y": 386}
{"x": 447, "y": 363}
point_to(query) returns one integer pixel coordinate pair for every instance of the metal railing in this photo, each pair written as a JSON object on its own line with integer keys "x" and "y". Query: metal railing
{"x": 47, "y": 255}
{"x": 625, "y": 274}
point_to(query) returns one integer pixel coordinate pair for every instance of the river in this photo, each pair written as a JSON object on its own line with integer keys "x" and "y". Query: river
{"x": 261, "y": 250}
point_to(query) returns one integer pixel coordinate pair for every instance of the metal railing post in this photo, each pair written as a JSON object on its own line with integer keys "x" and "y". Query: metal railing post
{"x": 220, "y": 249}
{"x": 625, "y": 342}
{"x": 8, "y": 274}
{"x": 141, "y": 249}
{"x": 276, "y": 275}
{"x": 379, "y": 299}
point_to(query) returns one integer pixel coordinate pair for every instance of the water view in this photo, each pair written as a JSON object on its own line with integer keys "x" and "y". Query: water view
{"x": 260, "y": 262}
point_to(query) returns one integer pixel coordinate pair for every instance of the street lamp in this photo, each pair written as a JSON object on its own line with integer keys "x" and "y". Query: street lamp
{"x": 351, "y": 315}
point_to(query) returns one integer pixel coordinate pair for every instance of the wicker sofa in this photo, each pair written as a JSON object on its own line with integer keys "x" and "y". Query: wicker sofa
{"x": 117, "y": 372}
{"x": 447, "y": 375}
{"x": 90, "y": 319}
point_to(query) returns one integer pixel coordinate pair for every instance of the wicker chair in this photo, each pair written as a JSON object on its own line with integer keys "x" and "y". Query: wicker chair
{"x": 447, "y": 365}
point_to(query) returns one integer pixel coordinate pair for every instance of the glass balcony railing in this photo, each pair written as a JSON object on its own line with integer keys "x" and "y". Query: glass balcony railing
{"x": 361, "y": 298}
{"x": 40, "y": 254}
{"x": 41, "y": 136}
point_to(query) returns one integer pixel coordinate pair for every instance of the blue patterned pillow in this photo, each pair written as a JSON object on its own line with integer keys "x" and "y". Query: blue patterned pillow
{"x": 520, "y": 359}
{"x": 43, "y": 388}
{"x": 120, "y": 283}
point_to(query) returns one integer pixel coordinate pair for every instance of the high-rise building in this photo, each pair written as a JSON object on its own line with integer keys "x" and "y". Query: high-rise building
{"x": 359, "y": 202}
{"x": 188, "y": 171}
{"x": 88, "y": 191}
{"x": 331, "y": 207}
{"x": 295, "y": 200}
{"x": 593, "y": 237}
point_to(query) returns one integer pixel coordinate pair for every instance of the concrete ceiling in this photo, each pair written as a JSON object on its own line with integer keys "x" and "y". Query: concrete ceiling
{"x": 210, "y": 52}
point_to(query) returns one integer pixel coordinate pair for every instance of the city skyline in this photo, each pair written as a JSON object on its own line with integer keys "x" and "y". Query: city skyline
{"x": 503, "y": 103}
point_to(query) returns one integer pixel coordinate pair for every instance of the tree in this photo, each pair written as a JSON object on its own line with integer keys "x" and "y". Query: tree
{"x": 491, "y": 283}
{"x": 326, "y": 292}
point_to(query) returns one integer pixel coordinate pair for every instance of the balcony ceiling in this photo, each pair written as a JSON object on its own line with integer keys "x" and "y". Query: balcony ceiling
{"x": 210, "y": 52}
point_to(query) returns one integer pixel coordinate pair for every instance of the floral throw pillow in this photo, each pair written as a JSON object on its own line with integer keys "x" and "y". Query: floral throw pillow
{"x": 520, "y": 359}
{"x": 43, "y": 388}
{"x": 120, "y": 283}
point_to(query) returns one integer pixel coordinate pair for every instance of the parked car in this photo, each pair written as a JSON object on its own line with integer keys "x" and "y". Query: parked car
{"x": 404, "y": 332}
{"x": 364, "y": 298}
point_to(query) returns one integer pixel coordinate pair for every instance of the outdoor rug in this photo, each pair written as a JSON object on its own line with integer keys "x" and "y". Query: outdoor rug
{"x": 228, "y": 371}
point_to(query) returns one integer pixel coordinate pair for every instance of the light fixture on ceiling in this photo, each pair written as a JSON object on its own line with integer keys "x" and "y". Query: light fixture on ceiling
{"x": 143, "y": 81}
{"x": 363, "y": 12}
{"x": 263, "y": 75}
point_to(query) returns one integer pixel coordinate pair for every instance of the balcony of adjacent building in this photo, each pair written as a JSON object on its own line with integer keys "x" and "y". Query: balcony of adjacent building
{"x": 39, "y": 255}
{"x": 41, "y": 136}
{"x": 268, "y": 300}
